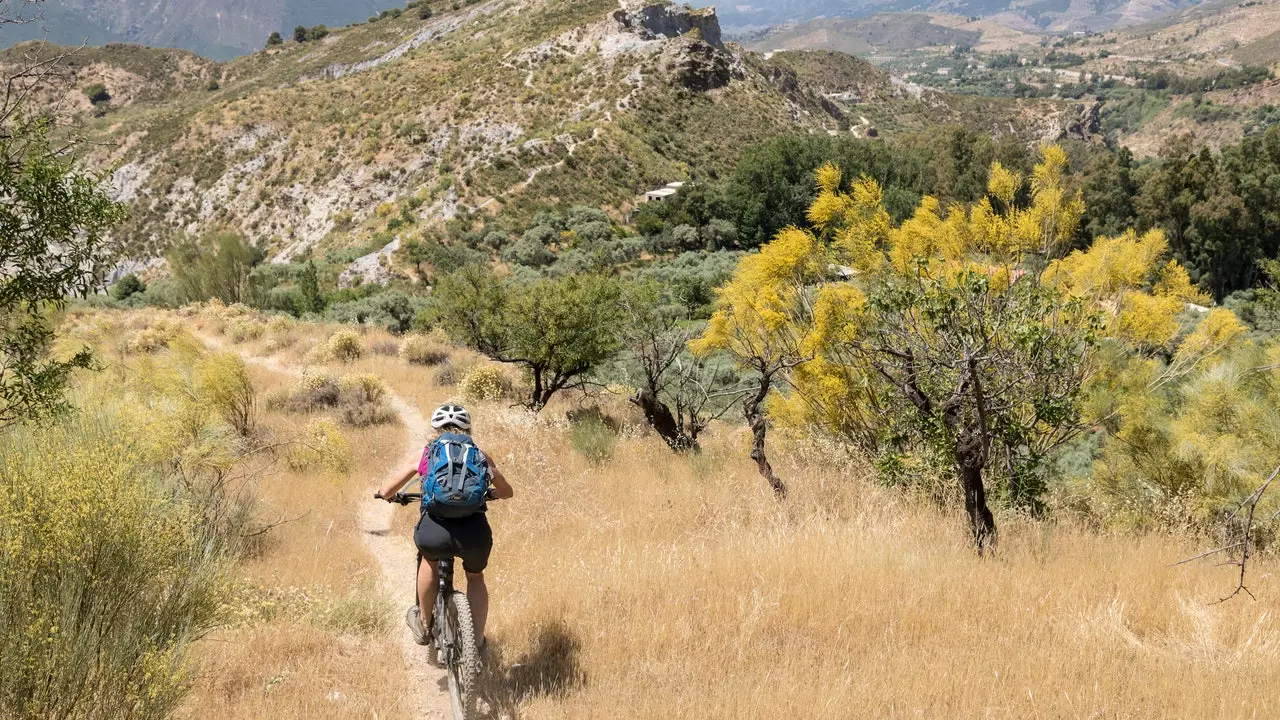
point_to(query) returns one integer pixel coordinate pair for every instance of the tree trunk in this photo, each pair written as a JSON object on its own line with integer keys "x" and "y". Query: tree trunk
{"x": 982, "y": 524}
{"x": 541, "y": 393}
{"x": 663, "y": 422}
{"x": 751, "y": 408}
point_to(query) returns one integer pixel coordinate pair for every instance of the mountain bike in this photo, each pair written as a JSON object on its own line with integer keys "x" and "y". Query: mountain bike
{"x": 453, "y": 645}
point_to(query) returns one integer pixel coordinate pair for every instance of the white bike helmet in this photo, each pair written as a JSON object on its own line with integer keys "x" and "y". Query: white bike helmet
{"x": 455, "y": 415}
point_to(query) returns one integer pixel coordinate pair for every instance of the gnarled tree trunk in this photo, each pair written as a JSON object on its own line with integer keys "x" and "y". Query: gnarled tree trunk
{"x": 663, "y": 422}
{"x": 753, "y": 410}
{"x": 982, "y": 524}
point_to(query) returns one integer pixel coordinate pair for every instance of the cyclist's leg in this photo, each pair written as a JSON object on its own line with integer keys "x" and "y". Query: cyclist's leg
{"x": 474, "y": 541}
{"x": 478, "y": 597}
{"x": 428, "y": 586}
{"x": 434, "y": 543}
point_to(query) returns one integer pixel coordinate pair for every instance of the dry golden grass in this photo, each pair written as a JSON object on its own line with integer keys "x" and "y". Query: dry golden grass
{"x": 657, "y": 586}
{"x": 317, "y": 641}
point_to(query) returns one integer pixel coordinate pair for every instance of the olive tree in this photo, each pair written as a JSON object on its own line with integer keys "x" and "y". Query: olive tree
{"x": 558, "y": 330}
{"x": 979, "y": 375}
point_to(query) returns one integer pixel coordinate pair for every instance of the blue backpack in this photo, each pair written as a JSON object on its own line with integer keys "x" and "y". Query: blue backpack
{"x": 455, "y": 476}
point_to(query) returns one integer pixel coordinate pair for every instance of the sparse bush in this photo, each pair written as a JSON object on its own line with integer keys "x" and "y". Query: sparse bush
{"x": 422, "y": 350}
{"x": 223, "y": 383}
{"x": 281, "y": 324}
{"x": 446, "y": 375}
{"x": 593, "y": 436}
{"x": 314, "y": 391}
{"x": 321, "y": 446}
{"x": 345, "y": 346}
{"x": 485, "y": 382}
{"x": 362, "y": 611}
{"x": 274, "y": 39}
{"x": 245, "y": 329}
{"x": 364, "y": 388}
{"x": 318, "y": 355}
{"x": 385, "y": 348}
{"x": 360, "y": 400}
{"x": 365, "y": 414}
{"x": 152, "y": 339}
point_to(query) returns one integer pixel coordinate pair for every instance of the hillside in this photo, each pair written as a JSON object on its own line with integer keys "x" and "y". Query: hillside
{"x": 500, "y": 107}
{"x": 220, "y": 29}
{"x": 888, "y": 34}
{"x": 1022, "y": 15}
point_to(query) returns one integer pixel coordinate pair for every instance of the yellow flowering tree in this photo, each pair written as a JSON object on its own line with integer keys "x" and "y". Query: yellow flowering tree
{"x": 763, "y": 320}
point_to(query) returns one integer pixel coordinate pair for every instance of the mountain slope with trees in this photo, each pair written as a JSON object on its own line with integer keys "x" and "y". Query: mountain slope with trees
{"x": 439, "y": 115}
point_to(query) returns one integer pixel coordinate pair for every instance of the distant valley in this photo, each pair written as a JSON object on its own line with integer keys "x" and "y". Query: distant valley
{"x": 216, "y": 29}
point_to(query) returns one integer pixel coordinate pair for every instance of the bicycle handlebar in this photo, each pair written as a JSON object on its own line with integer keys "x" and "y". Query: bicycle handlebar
{"x": 400, "y": 498}
{"x": 406, "y": 498}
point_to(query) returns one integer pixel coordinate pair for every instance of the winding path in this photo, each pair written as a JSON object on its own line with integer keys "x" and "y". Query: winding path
{"x": 427, "y": 694}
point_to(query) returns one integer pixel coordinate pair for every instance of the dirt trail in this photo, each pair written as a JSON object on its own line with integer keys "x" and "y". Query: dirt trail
{"x": 398, "y": 560}
{"x": 427, "y": 696}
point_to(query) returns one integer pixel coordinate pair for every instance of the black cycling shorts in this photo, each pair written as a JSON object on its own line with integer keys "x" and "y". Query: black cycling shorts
{"x": 469, "y": 538}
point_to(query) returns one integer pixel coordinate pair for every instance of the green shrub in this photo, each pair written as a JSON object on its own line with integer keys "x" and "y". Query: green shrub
{"x": 223, "y": 384}
{"x": 104, "y": 581}
{"x": 97, "y": 93}
{"x": 126, "y": 287}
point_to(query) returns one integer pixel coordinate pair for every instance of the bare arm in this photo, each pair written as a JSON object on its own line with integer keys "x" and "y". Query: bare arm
{"x": 502, "y": 489}
{"x": 394, "y": 486}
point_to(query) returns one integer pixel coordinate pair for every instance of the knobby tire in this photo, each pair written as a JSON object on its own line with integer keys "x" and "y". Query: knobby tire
{"x": 464, "y": 671}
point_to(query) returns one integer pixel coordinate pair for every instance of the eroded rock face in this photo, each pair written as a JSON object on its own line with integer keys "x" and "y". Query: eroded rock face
{"x": 669, "y": 21}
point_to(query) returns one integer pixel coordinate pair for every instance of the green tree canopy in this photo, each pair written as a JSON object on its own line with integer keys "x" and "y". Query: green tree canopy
{"x": 557, "y": 329}
{"x": 53, "y": 225}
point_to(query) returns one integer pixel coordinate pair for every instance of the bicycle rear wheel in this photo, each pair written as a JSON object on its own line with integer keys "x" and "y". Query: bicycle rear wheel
{"x": 464, "y": 665}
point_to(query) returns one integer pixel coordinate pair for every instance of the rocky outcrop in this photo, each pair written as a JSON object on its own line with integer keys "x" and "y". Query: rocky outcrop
{"x": 669, "y": 21}
{"x": 1087, "y": 123}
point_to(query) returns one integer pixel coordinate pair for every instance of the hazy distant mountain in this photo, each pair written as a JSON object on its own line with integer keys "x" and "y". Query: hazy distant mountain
{"x": 219, "y": 29}
{"x": 1027, "y": 15}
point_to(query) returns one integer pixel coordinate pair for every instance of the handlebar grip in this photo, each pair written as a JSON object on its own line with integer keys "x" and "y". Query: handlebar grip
{"x": 378, "y": 496}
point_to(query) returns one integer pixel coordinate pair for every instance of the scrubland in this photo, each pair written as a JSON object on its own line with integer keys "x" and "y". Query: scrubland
{"x": 639, "y": 584}
{"x": 631, "y": 582}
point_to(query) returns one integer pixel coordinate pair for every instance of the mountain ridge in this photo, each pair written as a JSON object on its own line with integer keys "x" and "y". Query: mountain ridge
{"x": 501, "y": 107}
